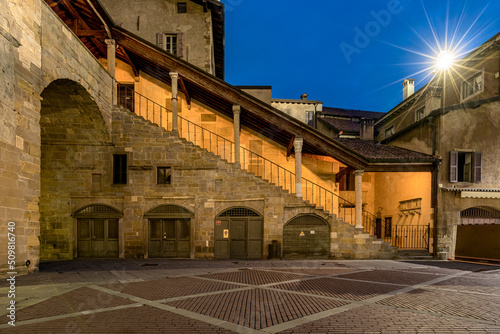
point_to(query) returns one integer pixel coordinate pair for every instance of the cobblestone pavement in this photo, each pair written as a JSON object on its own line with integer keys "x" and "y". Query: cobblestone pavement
{"x": 317, "y": 296}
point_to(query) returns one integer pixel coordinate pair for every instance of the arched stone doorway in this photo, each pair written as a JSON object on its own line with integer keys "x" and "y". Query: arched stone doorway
{"x": 238, "y": 234}
{"x": 169, "y": 233}
{"x": 98, "y": 231}
{"x": 478, "y": 235}
{"x": 306, "y": 236}
{"x": 74, "y": 140}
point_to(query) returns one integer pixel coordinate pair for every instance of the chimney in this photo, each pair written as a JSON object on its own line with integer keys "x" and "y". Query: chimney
{"x": 304, "y": 96}
{"x": 366, "y": 130}
{"x": 408, "y": 88}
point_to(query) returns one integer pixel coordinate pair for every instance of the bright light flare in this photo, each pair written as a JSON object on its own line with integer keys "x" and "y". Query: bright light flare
{"x": 445, "y": 60}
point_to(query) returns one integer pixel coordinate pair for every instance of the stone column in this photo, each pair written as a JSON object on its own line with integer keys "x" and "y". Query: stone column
{"x": 297, "y": 144}
{"x": 111, "y": 56}
{"x": 175, "y": 109}
{"x": 358, "y": 178}
{"x": 236, "y": 120}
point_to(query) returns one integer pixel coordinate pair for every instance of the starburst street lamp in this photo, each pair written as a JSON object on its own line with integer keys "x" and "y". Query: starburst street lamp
{"x": 444, "y": 60}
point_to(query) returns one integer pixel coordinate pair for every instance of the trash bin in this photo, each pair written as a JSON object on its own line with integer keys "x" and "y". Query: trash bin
{"x": 274, "y": 250}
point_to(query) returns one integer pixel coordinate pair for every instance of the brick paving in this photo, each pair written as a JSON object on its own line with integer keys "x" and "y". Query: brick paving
{"x": 185, "y": 296}
{"x": 255, "y": 277}
{"x": 170, "y": 287}
{"x": 485, "y": 307}
{"x": 257, "y": 308}
{"x": 376, "y": 319}
{"x": 343, "y": 289}
{"x": 78, "y": 300}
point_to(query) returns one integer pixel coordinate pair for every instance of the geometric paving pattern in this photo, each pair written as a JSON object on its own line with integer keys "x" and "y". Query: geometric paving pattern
{"x": 486, "y": 284}
{"x": 373, "y": 319}
{"x": 170, "y": 287}
{"x": 343, "y": 289}
{"x": 485, "y": 307}
{"x": 254, "y": 277}
{"x": 257, "y": 308}
{"x": 342, "y": 297}
{"x": 137, "y": 320}
{"x": 389, "y": 276}
{"x": 77, "y": 300}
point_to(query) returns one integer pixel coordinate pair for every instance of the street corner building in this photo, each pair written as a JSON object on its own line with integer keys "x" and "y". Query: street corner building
{"x": 120, "y": 139}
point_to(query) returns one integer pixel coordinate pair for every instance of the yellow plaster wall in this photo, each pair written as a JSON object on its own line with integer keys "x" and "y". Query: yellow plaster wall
{"x": 391, "y": 188}
{"x": 317, "y": 171}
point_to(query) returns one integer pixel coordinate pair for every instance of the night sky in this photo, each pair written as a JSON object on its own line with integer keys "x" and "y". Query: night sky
{"x": 349, "y": 54}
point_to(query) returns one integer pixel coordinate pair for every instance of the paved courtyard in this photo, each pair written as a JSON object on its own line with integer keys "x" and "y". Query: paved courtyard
{"x": 317, "y": 296}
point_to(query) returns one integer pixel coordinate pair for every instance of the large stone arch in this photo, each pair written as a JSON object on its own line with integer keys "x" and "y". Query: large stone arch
{"x": 74, "y": 135}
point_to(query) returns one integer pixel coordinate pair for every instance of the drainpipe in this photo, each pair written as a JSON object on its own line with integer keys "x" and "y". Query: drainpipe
{"x": 434, "y": 188}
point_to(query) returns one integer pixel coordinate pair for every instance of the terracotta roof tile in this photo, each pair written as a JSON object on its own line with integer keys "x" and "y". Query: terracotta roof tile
{"x": 352, "y": 113}
{"x": 375, "y": 151}
{"x": 341, "y": 124}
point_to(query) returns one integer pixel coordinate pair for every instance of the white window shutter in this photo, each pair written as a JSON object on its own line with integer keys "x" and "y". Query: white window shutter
{"x": 179, "y": 45}
{"x": 160, "y": 40}
{"x": 453, "y": 166}
{"x": 478, "y": 167}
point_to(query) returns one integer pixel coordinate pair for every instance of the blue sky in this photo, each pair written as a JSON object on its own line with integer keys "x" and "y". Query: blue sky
{"x": 348, "y": 54}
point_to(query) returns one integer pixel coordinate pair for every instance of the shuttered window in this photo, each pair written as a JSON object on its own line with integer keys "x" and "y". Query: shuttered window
{"x": 172, "y": 43}
{"x": 466, "y": 166}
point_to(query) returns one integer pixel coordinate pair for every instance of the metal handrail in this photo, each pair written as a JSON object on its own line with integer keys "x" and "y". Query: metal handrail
{"x": 250, "y": 161}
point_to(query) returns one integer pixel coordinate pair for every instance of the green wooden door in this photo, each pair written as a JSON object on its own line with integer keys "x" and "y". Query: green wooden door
{"x": 97, "y": 237}
{"x": 169, "y": 237}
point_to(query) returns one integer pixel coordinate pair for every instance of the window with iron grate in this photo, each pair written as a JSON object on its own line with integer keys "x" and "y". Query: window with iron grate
{"x": 239, "y": 212}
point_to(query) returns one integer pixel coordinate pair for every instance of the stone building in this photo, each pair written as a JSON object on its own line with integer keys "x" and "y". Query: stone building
{"x": 192, "y": 30}
{"x": 456, "y": 118}
{"x": 151, "y": 156}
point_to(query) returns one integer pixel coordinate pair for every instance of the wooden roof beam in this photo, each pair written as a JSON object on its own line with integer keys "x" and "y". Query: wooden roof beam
{"x": 130, "y": 62}
{"x": 90, "y": 33}
{"x": 290, "y": 147}
{"x": 84, "y": 24}
{"x": 185, "y": 91}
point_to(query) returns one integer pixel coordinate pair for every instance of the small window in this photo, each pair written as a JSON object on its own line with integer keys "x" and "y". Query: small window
{"x": 389, "y": 132}
{"x": 170, "y": 42}
{"x": 465, "y": 166}
{"x": 310, "y": 118}
{"x": 420, "y": 114}
{"x": 181, "y": 7}
{"x": 119, "y": 169}
{"x": 472, "y": 85}
{"x": 164, "y": 175}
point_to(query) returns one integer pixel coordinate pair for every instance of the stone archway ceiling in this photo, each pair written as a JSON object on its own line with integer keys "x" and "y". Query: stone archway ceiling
{"x": 216, "y": 93}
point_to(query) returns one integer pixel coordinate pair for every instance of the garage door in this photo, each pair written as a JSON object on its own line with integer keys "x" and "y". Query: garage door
{"x": 478, "y": 235}
{"x": 307, "y": 237}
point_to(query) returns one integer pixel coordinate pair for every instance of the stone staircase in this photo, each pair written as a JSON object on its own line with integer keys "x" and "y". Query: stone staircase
{"x": 346, "y": 240}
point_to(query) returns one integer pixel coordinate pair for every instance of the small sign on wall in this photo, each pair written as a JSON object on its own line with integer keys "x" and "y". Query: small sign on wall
{"x": 312, "y": 232}
{"x": 217, "y": 222}
{"x": 302, "y": 234}
{"x": 226, "y": 233}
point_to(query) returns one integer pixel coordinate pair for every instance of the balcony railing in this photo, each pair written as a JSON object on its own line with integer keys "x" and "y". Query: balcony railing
{"x": 250, "y": 161}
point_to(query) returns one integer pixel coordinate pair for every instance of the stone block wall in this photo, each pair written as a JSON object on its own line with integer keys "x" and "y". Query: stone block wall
{"x": 201, "y": 182}
{"x": 37, "y": 48}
